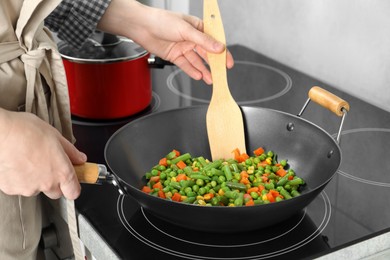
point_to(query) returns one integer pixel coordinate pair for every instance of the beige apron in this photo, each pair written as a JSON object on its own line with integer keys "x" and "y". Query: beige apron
{"x": 32, "y": 79}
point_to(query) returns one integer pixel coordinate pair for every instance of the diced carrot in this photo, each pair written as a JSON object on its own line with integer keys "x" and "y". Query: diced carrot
{"x": 176, "y": 197}
{"x": 262, "y": 163}
{"x": 244, "y": 174}
{"x": 243, "y": 157}
{"x": 261, "y": 187}
{"x": 208, "y": 196}
{"x": 236, "y": 154}
{"x": 253, "y": 189}
{"x": 264, "y": 178}
{"x": 177, "y": 152}
{"x": 244, "y": 181}
{"x": 239, "y": 157}
{"x": 290, "y": 177}
{"x": 146, "y": 189}
{"x": 155, "y": 179}
{"x": 270, "y": 197}
{"x": 158, "y": 185}
{"x": 181, "y": 177}
{"x": 274, "y": 193}
{"x": 250, "y": 203}
{"x": 247, "y": 196}
{"x": 163, "y": 162}
{"x": 161, "y": 194}
{"x": 181, "y": 164}
{"x": 259, "y": 151}
{"x": 281, "y": 172}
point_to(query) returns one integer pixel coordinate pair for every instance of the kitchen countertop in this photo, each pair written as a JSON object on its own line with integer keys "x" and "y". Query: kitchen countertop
{"x": 373, "y": 246}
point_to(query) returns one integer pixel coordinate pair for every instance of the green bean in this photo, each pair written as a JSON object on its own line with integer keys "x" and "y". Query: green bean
{"x": 200, "y": 176}
{"x": 240, "y": 200}
{"x": 296, "y": 181}
{"x": 214, "y": 164}
{"x": 171, "y": 155}
{"x": 285, "y": 194}
{"x": 231, "y": 194}
{"x": 223, "y": 179}
{"x": 189, "y": 200}
{"x": 228, "y": 172}
{"x": 216, "y": 172}
{"x": 202, "y": 161}
{"x": 283, "y": 180}
{"x": 183, "y": 157}
{"x": 175, "y": 185}
{"x": 238, "y": 186}
{"x": 235, "y": 168}
{"x": 295, "y": 193}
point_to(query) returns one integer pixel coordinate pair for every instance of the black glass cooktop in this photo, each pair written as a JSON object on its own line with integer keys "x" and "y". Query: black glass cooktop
{"x": 352, "y": 207}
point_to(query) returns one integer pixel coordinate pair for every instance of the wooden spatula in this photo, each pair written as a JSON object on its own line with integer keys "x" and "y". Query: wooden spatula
{"x": 225, "y": 126}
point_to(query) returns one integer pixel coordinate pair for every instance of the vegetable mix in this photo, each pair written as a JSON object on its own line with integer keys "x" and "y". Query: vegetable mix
{"x": 242, "y": 181}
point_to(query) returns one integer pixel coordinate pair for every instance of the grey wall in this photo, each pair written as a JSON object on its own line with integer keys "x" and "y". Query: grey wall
{"x": 345, "y": 43}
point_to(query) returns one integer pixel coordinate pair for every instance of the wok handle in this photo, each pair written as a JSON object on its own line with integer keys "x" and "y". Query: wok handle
{"x": 91, "y": 173}
{"x": 328, "y": 100}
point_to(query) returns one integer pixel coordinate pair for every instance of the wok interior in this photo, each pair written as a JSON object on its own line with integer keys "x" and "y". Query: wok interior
{"x": 138, "y": 146}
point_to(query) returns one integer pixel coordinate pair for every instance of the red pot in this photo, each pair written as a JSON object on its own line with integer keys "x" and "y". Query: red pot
{"x": 108, "y": 79}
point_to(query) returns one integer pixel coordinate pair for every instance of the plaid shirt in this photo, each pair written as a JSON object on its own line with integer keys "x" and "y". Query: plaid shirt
{"x": 75, "y": 20}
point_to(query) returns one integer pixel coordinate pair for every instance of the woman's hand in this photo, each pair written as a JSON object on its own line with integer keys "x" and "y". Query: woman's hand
{"x": 175, "y": 37}
{"x": 35, "y": 158}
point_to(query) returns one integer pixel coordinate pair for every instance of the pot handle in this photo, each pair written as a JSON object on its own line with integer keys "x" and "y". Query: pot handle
{"x": 158, "y": 63}
{"x": 328, "y": 100}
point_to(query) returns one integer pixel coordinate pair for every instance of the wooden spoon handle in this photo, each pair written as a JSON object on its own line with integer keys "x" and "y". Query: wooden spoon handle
{"x": 328, "y": 100}
{"x": 213, "y": 26}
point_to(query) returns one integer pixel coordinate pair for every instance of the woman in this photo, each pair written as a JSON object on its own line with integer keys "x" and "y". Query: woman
{"x": 36, "y": 157}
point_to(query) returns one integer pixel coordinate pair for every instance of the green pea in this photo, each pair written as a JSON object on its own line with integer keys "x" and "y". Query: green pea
{"x": 254, "y": 195}
{"x": 154, "y": 172}
{"x": 202, "y": 191}
{"x": 283, "y": 163}
{"x": 248, "y": 162}
{"x": 195, "y": 188}
{"x": 199, "y": 182}
{"x": 187, "y": 190}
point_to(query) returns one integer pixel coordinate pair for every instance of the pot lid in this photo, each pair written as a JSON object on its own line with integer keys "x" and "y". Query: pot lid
{"x": 102, "y": 48}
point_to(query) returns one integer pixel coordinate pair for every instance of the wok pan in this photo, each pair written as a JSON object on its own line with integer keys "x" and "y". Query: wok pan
{"x": 137, "y": 147}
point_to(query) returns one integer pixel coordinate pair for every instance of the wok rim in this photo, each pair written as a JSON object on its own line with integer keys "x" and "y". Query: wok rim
{"x": 304, "y": 194}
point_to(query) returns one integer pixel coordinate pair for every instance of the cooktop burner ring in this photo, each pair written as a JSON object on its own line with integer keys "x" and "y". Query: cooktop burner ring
{"x": 323, "y": 198}
{"x": 356, "y": 178}
{"x": 285, "y": 76}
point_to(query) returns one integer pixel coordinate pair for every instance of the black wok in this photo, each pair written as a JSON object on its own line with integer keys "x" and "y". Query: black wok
{"x": 138, "y": 146}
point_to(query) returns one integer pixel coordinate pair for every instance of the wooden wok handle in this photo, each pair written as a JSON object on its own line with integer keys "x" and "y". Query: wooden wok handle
{"x": 328, "y": 100}
{"x": 87, "y": 172}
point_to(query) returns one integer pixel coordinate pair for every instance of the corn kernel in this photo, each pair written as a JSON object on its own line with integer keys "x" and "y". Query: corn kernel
{"x": 199, "y": 197}
{"x": 251, "y": 170}
{"x": 168, "y": 194}
{"x": 231, "y": 205}
{"x": 173, "y": 179}
{"x": 201, "y": 202}
{"x": 183, "y": 197}
{"x": 269, "y": 160}
{"x": 221, "y": 192}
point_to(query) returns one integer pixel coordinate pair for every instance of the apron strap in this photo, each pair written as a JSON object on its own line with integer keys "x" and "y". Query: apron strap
{"x": 41, "y": 58}
{"x": 10, "y": 51}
